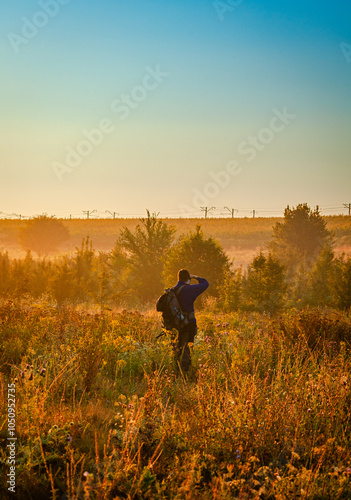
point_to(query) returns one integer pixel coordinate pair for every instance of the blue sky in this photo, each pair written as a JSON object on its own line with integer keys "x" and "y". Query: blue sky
{"x": 223, "y": 79}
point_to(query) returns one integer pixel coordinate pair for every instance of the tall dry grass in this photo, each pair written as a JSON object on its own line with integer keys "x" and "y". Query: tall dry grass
{"x": 101, "y": 414}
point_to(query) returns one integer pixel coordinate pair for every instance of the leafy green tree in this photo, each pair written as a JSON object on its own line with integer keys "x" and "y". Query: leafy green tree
{"x": 300, "y": 237}
{"x": 139, "y": 256}
{"x": 201, "y": 256}
{"x": 43, "y": 234}
{"x": 264, "y": 284}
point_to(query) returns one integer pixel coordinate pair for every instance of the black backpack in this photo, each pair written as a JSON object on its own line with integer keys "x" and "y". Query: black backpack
{"x": 172, "y": 314}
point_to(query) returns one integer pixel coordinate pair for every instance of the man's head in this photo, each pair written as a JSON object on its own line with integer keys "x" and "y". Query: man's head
{"x": 184, "y": 275}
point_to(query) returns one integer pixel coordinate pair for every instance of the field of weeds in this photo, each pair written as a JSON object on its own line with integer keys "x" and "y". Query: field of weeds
{"x": 100, "y": 412}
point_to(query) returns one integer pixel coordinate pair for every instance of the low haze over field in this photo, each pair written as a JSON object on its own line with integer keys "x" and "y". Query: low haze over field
{"x": 174, "y": 106}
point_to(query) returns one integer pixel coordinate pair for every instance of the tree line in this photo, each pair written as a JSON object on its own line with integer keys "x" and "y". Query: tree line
{"x": 297, "y": 267}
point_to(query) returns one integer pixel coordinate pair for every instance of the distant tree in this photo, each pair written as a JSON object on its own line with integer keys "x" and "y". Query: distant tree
{"x": 77, "y": 279}
{"x": 300, "y": 237}
{"x": 85, "y": 278}
{"x": 264, "y": 284}
{"x": 341, "y": 282}
{"x": 43, "y": 234}
{"x": 62, "y": 284}
{"x": 200, "y": 255}
{"x": 320, "y": 290}
{"x": 138, "y": 255}
{"x": 230, "y": 294}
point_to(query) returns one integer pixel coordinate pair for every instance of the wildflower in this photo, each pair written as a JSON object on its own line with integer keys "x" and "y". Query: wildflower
{"x": 42, "y": 372}
{"x": 31, "y": 376}
{"x": 238, "y": 454}
{"x": 22, "y": 375}
{"x": 69, "y": 438}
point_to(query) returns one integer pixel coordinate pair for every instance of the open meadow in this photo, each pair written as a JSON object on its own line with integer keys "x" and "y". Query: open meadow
{"x": 93, "y": 406}
{"x": 100, "y": 413}
{"x": 161, "y": 337}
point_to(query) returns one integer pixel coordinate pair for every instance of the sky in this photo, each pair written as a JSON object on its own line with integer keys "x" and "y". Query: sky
{"x": 126, "y": 105}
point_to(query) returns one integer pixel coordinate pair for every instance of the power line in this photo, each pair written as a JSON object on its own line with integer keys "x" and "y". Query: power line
{"x": 88, "y": 213}
{"x": 232, "y": 211}
{"x": 207, "y": 210}
{"x": 189, "y": 212}
{"x": 112, "y": 213}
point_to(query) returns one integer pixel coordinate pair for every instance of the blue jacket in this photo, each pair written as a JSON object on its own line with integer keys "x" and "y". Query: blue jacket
{"x": 189, "y": 294}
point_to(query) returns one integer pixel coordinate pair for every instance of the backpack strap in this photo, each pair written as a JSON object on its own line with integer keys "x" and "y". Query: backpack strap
{"x": 177, "y": 292}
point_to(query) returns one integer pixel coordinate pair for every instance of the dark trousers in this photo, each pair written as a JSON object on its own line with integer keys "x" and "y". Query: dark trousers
{"x": 182, "y": 354}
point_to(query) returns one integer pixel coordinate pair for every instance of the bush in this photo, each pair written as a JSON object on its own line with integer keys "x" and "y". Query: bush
{"x": 300, "y": 237}
{"x": 43, "y": 234}
{"x": 202, "y": 256}
{"x": 264, "y": 284}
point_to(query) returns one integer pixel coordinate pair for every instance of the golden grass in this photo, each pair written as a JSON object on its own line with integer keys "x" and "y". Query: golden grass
{"x": 264, "y": 414}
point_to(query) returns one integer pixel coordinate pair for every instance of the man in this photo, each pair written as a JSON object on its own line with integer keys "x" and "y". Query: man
{"x": 186, "y": 298}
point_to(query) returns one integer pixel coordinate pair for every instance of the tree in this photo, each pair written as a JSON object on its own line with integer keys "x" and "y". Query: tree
{"x": 43, "y": 234}
{"x": 139, "y": 255}
{"x": 230, "y": 295}
{"x": 264, "y": 285}
{"x": 341, "y": 282}
{"x": 201, "y": 256}
{"x": 62, "y": 284}
{"x": 301, "y": 236}
{"x": 85, "y": 283}
{"x": 321, "y": 279}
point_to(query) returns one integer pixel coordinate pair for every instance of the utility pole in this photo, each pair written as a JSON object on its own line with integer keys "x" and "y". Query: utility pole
{"x": 207, "y": 210}
{"x": 232, "y": 211}
{"x": 88, "y": 213}
{"x": 112, "y": 213}
{"x": 253, "y": 213}
{"x": 348, "y": 205}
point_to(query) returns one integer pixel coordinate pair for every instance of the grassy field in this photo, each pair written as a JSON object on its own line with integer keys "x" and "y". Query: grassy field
{"x": 99, "y": 411}
{"x": 101, "y": 414}
{"x": 241, "y": 238}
